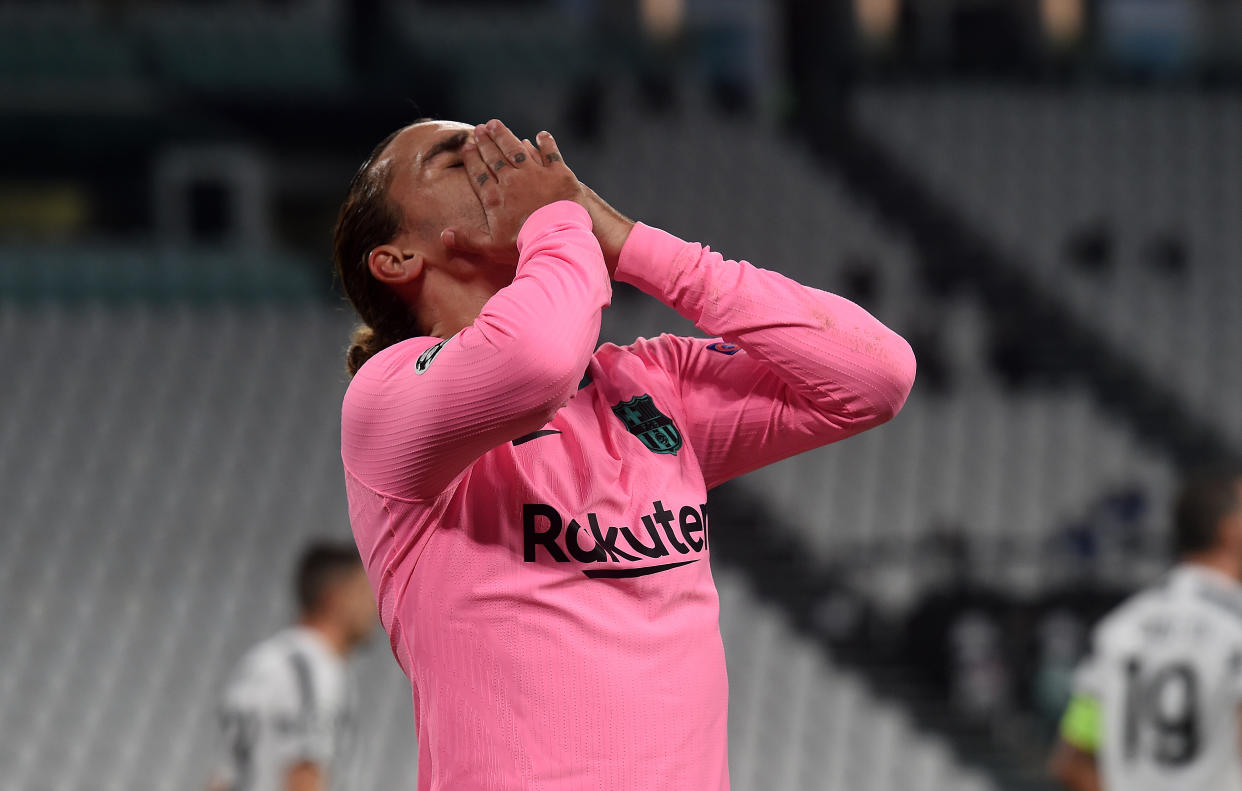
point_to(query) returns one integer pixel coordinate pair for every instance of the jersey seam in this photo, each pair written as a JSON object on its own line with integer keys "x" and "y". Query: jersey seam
{"x": 410, "y": 500}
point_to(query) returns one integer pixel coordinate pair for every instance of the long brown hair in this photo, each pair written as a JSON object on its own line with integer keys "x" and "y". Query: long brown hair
{"x": 368, "y": 219}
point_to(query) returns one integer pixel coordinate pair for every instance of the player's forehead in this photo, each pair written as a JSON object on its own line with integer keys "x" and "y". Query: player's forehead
{"x": 416, "y": 142}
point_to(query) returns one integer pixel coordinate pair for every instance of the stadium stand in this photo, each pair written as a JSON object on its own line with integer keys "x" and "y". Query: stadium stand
{"x": 251, "y": 51}
{"x": 1122, "y": 201}
{"x": 796, "y": 721}
{"x": 953, "y": 455}
{"x": 91, "y": 55}
{"x": 118, "y": 273}
{"x": 166, "y": 399}
{"x": 149, "y": 479}
{"x": 154, "y": 497}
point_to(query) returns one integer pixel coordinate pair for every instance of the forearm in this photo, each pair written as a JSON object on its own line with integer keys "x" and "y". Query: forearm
{"x": 1074, "y": 769}
{"x": 823, "y": 346}
{"x": 546, "y": 321}
{"x": 412, "y": 418}
{"x": 304, "y": 776}
{"x": 1078, "y": 778}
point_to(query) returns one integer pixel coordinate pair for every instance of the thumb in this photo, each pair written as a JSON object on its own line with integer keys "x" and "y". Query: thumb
{"x": 465, "y": 240}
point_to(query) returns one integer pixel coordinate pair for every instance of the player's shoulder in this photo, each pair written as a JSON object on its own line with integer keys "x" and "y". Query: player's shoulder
{"x": 258, "y": 677}
{"x": 668, "y": 350}
{"x": 410, "y": 356}
{"x": 1177, "y": 593}
{"x": 286, "y": 664}
{"x": 641, "y": 358}
{"x": 386, "y": 380}
{"x": 639, "y": 346}
{"x": 302, "y": 641}
{"x": 1221, "y": 597}
{"x": 1127, "y": 617}
{"x": 318, "y": 672}
{"x": 268, "y": 656}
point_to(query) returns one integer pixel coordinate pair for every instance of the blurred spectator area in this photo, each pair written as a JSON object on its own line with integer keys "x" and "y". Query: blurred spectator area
{"x": 171, "y": 459}
{"x": 92, "y": 90}
{"x": 169, "y": 178}
{"x": 95, "y": 93}
{"x": 98, "y": 96}
{"x": 1120, "y": 202}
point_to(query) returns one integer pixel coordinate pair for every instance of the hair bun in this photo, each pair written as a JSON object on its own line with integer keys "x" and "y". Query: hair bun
{"x": 363, "y": 345}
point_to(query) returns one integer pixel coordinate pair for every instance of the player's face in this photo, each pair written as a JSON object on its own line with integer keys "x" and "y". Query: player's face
{"x": 430, "y": 184}
{"x": 1231, "y": 525}
{"x": 358, "y": 606}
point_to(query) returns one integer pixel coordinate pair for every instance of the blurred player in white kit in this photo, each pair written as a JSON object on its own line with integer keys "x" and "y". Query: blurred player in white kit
{"x": 1158, "y": 701}
{"x": 286, "y": 713}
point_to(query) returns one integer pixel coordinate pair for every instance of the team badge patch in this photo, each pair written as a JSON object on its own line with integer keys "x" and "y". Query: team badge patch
{"x": 645, "y": 421}
{"x": 724, "y": 348}
{"x": 424, "y": 359}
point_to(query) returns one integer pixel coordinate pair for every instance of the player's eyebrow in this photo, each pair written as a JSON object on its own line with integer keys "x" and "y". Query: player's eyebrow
{"x": 453, "y": 142}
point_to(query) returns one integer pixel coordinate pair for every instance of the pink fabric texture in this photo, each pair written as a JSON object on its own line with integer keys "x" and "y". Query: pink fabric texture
{"x": 540, "y": 547}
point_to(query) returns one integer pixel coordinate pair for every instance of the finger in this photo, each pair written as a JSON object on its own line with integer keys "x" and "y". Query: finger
{"x": 532, "y": 151}
{"x": 507, "y": 142}
{"x": 547, "y": 146}
{"x": 465, "y": 240}
{"x": 481, "y": 180}
{"x": 490, "y": 151}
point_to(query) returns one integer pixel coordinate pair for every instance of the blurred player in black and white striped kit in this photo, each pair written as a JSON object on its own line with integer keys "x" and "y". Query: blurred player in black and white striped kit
{"x": 286, "y": 712}
{"x": 1157, "y": 704}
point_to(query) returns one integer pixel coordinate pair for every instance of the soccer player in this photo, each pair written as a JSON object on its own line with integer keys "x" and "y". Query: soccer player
{"x": 286, "y": 712}
{"x": 530, "y": 509}
{"x": 1157, "y": 702}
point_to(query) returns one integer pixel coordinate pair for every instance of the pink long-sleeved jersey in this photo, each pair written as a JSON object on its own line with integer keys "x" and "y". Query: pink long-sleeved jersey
{"x": 538, "y": 540}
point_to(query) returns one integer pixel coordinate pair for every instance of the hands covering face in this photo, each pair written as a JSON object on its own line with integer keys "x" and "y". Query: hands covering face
{"x": 511, "y": 178}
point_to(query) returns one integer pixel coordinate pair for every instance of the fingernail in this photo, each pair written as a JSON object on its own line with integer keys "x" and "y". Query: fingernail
{"x": 449, "y": 237}
{"x": 470, "y": 146}
{"x": 493, "y": 125}
{"x": 480, "y": 130}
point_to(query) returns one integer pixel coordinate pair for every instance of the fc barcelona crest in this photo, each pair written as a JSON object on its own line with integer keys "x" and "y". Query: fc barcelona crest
{"x": 649, "y": 424}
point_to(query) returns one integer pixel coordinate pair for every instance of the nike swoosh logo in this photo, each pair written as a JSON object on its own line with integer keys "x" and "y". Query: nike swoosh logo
{"x": 634, "y": 572}
{"x": 543, "y": 432}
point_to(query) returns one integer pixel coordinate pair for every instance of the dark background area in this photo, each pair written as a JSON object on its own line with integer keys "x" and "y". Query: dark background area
{"x": 1040, "y": 194}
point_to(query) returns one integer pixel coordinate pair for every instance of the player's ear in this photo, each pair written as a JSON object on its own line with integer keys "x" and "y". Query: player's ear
{"x": 390, "y": 264}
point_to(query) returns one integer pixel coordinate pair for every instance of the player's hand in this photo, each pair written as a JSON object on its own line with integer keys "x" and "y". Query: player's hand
{"x": 512, "y": 178}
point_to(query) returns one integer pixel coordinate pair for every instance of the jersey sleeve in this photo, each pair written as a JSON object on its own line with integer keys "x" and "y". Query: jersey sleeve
{"x": 1082, "y": 726}
{"x": 795, "y": 367}
{"x": 1082, "y": 723}
{"x": 1088, "y": 676}
{"x": 417, "y": 414}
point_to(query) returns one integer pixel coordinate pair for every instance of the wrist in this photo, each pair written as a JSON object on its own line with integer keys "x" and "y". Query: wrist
{"x": 611, "y": 227}
{"x": 612, "y": 236}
